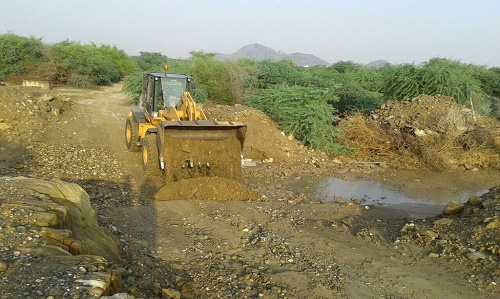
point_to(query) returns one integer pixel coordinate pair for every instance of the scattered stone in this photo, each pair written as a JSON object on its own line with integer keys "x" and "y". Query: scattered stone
{"x": 429, "y": 233}
{"x": 119, "y": 296}
{"x": 46, "y": 98}
{"x": 453, "y": 207}
{"x": 475, "y": 200}
{"x": 493, "y": 224}
{"x": 4, "y": 127}
{"x": 476, "y": 256}
{"x": 171, "y": 293}
{"x": 408, "y": 227}
{"x": 443, "y": 221}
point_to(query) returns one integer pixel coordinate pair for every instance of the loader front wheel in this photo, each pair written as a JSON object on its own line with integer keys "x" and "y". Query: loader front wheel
{"x": 150, "y": 161}
{"x": 132, "y": 134}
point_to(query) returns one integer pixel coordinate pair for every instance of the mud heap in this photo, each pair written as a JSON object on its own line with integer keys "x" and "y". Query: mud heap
{"x": 205, "y": 188}
{"x": 426, "y": 131}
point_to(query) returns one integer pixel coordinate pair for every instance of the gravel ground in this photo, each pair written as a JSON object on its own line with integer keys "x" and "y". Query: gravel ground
{"x": 283, "y": 244}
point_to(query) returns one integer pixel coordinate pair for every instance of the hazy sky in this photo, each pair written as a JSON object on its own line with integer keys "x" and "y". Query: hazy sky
{"x": 399, "y": 31}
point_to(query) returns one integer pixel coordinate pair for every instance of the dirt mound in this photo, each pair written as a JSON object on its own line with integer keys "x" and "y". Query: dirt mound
{"x": 25, "y": 107}
{"x": 276, "y": 154}
{"x": 425, "y": 131}
{"x": 205, "y": 188}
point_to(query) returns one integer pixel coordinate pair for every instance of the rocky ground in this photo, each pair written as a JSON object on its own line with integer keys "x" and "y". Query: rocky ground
{"x": 284, "y": 243}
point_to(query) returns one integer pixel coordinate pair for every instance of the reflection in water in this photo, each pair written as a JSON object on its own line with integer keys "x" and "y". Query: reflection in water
{"x": 400, "y": 193}
{"x": 374, "y": 192}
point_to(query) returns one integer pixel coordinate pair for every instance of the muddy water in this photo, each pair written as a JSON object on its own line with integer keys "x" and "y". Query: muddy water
{"x": 412, "y": 194}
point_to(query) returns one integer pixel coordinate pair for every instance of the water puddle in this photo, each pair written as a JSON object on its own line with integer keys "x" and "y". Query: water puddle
{"x": 412, "y": 194}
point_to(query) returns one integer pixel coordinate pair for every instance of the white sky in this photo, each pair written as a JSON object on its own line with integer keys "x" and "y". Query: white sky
{"x": 399, "y": 31}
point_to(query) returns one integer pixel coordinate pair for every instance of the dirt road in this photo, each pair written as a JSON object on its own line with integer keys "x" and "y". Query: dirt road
{"x": 284, "y": 245}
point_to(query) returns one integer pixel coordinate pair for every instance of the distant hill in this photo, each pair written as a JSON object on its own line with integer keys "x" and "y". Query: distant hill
{"x": 377, "y": 64}
{"x": 260, "y": 52}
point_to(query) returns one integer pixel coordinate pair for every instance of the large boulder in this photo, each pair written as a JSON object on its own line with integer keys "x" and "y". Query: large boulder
{"x": 49, "y": 235}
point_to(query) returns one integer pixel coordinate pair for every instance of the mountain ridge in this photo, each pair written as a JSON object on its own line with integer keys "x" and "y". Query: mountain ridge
{"x": 260, "y": 52}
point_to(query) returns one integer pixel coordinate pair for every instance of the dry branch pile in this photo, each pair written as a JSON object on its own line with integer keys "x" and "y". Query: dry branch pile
{"x": 431, "y": 132}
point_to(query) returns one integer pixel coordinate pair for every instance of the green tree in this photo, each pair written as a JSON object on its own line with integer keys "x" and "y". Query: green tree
{"x": 277, "y": 72}
{"x": 19, "y": 55}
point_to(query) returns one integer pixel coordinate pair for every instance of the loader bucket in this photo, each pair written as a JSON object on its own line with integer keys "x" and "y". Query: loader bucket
{"x": 201, "y": 148}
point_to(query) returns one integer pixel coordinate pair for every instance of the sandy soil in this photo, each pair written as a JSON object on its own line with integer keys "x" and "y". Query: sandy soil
{"x": 284, "y": 244}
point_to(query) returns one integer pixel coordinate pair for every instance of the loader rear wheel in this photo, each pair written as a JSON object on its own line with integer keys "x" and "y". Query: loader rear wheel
{"x": 132, "y": 134}
{"x": 150, "y": 161}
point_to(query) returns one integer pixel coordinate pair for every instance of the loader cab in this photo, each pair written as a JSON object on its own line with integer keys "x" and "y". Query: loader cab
{"x": 162, "y": 91}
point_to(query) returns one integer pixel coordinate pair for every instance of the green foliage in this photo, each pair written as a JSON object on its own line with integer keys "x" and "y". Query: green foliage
{"x": 345, "y": 66}
{"x": 18, "y": 55}
{"x": 133, "y": 86}
{"x": 66, "y": 62}
{"x": 222, "y": 82}
{"x": 303, "y": 112}
{"x": 401, "y": 82}
{"x": 85, "y": 65}
{"x": 492, "y": 82}
{"x": 465, "y": 83}
{"x": 149, "y": 61}
{"x": 445, "y": 77}
{"x": 277, "y": 72}
{"x": 358, "y": 89}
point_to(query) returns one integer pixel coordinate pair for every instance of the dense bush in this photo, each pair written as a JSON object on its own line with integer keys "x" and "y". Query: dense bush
{"x": 19, "y": 55}
{"x": 303, "y": 112}
{"x": 65, "y": 62}
{"x": 85, "y": 65}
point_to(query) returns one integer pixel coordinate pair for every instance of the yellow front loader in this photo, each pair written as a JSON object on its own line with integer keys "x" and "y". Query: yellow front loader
{"x": 176, "y": 139}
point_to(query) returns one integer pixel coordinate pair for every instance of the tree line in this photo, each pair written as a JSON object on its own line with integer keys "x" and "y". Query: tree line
{"x": 304, "y": 101}
{"x": 66, "y": 62}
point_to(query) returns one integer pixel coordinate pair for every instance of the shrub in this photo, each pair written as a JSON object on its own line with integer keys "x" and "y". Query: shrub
{"x": 18, "y": 55}
{"x": 303, "y": 112}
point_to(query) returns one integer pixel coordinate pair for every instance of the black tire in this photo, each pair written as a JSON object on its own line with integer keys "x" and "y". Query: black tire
{"x": 150, "y": 160}
{"x": 132, "y": 134}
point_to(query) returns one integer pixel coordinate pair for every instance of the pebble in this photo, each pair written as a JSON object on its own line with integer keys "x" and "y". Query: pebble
{"x": 453, "y": 207}
{"x": 430, "y": 233}
{"x": 475, "y": 256}
{"x": 443, "y": 221}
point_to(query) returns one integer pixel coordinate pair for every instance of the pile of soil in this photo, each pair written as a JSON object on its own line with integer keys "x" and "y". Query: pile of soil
{"x": 26, "y": 110}
{"x": 205, "y": 188}
{"x": 426, "y": 131}
{"x": 187, "y": 157}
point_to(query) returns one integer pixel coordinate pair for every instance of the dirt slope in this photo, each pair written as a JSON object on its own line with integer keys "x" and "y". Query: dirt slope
{"x": 283, "y": 245}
